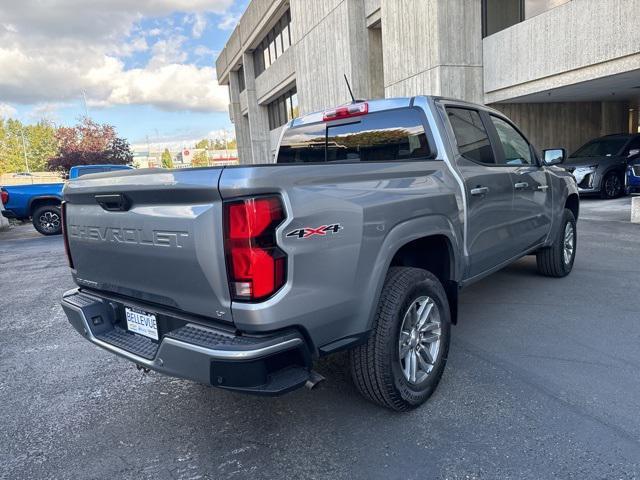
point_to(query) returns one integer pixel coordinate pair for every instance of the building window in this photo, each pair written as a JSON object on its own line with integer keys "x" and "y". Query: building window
{"x": 500, "y": 14}
{"x": 274, "y": 44}
{"x": 241, "y": 83}
{"x": 283, "y": 109}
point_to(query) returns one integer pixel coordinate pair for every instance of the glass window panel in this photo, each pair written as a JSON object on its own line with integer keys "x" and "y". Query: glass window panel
{"x": 516, "y": 148}
{"x": 501, "y": 14}
{"x": 303, "y": 144}
{"x": 378, "y": 137}
{"x": 282, "y": 105}
{"x": 278, "y": 45}
{"x": 471, "y": 136}
{"x": 289, "y": 108}
{"x": 286, "y": 38}
{"x": 294, "y": 105}
{"x": 272, "y": 49}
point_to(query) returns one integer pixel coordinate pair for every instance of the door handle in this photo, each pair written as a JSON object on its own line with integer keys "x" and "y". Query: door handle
{"x": 113, "y": 203}
{"x": 521, "y": 185}
{"x": 479, "y": 190}
{"x": 543, "y": 187}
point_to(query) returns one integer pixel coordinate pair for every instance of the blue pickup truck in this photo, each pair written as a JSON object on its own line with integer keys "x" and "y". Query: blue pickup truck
{"x": 41, "y": 202}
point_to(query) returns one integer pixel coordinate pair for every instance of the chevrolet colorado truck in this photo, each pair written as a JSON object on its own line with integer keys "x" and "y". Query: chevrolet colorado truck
{"x": 359, "y": 237}
{"x": 41, "y": 202}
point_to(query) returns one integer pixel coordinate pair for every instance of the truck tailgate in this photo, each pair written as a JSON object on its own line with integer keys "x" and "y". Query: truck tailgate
{"x": 152, "y": 235}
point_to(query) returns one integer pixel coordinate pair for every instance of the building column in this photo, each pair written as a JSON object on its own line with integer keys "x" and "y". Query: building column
{"x": 243, "y": 138}
{"x": 433, "y": 48}
{"x": 258, "y": 115}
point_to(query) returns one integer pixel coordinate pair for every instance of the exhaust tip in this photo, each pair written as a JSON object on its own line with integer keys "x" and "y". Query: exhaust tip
{"x": 314, "y": 379}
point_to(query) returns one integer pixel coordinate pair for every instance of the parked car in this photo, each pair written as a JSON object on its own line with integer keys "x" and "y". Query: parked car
{"x": 633, "y": 175}
{"x": 41, "y": 202}
{"x": 360, "y": 237}
{"x": 600, "y": 165}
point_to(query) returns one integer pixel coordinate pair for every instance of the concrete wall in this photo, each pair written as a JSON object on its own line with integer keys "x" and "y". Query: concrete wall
{"x": 580, "y": 40}
{"x": 332, "y": 40}
{"x": 569, "y": 124}
{"x": 432, "y": 47}
{"x": 256, "y": 20}
{"x": 278, "y": 76}
{"x": 241, "y": 123}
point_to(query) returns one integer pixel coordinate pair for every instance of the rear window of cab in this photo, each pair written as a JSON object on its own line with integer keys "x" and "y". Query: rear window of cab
{"x": 374, "y": 137}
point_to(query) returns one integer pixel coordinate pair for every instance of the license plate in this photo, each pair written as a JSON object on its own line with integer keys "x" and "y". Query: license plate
{"x": 142, "y": 323}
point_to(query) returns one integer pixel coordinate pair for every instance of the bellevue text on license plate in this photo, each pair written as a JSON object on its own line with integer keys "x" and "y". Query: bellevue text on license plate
{"x": 142, "y": 323}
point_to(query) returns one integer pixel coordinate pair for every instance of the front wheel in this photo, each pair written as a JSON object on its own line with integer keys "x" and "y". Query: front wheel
{"x": 403, "y": 360}
{"x": 47, "y": 220}
{"x": 612, "y": 186}
{"x": 557, "y": 260}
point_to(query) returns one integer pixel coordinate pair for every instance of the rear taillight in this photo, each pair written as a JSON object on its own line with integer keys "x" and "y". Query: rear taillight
{"x": 65, "y": 234}
{"x": 346, "y": 111}
{"x": 4, "y": 197}
{"x": 256, "y": 267}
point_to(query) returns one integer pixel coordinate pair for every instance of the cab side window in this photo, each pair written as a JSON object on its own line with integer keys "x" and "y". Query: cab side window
{"x": 471, "y": 136}
{"x": 516, "y": 149}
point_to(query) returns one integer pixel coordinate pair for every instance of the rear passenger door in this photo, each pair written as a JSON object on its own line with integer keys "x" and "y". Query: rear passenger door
{"x": 532, "y": 194}
{"x": 489, "y": 191}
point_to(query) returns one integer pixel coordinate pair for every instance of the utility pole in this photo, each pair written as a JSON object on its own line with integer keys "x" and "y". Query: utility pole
{"x": 84, "y": 98}
{"x": 24, "y": 150}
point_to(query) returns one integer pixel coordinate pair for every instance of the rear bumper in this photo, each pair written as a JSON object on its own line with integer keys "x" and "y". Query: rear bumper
{"x": 8, "y": 214}
{"x": 266, "y": 364}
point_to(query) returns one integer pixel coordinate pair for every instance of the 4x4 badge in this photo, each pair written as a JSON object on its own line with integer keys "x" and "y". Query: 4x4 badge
{"x": 310, "y": 231}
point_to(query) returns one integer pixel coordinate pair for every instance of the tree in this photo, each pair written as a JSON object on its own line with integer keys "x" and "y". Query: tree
{"x": 200, "y": 159}
{"x": 41, "y": 145}
{"x": 89, "y": 143}
{"x": 167, "y": 160}
{"x": 204, "y": 144}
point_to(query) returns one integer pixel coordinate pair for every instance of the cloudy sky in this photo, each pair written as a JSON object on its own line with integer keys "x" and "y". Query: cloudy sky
{"x": 145, "y": 66}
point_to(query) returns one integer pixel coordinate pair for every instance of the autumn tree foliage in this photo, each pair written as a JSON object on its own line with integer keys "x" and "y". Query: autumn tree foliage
{"x": 89, "y": 143}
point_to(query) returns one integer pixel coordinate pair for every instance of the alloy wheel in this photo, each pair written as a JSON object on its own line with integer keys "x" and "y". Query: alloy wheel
{"x": 613, "y": 186}
{"x": 569, "y": 243}
{"x": 419, "y": 342}
{"x": 50, "y": 221}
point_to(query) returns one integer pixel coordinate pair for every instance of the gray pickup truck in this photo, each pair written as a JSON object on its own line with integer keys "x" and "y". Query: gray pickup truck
{"x": 359, "y": 237}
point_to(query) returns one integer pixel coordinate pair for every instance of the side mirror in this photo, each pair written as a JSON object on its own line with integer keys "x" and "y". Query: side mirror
{"x": 554, "y": 156}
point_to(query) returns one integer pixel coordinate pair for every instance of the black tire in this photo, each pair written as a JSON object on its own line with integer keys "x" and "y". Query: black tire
{"x": 612, "y": 186}
{"x": 376, "y": 368}
{"x": 551, "y": 260}
{"x": 47, "y": 220}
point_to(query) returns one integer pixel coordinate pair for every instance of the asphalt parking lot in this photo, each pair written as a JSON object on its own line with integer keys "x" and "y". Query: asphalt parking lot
{"x": 542, "y": 382}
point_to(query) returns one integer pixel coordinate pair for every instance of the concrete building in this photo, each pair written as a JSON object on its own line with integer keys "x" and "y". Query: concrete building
{"x": 565, "y": 70}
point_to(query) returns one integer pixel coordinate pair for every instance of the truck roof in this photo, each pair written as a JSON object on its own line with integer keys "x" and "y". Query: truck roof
{"x": 379, "y": 105}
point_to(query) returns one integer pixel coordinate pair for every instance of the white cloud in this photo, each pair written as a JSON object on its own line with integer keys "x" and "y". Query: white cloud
{"x": 7, "y": 111}
{"x": 168, "y": 51}
{"x": 75, "y": 47}
{"x": 199, "y": 25}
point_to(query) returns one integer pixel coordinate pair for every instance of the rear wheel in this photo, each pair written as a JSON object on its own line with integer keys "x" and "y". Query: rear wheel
{"x": 612, "y": 186}
{"x": 402, "y": 362}
{"x": 557, "y": 260}
{"x": 47, "y": 220}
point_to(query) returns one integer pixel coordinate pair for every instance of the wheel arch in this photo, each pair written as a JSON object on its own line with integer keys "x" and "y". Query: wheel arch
{"x": 573, "y": 203}
{"x": 435, "y": 254}
{"x": 432, "y": 230}
{"x": 38, "y": 202}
